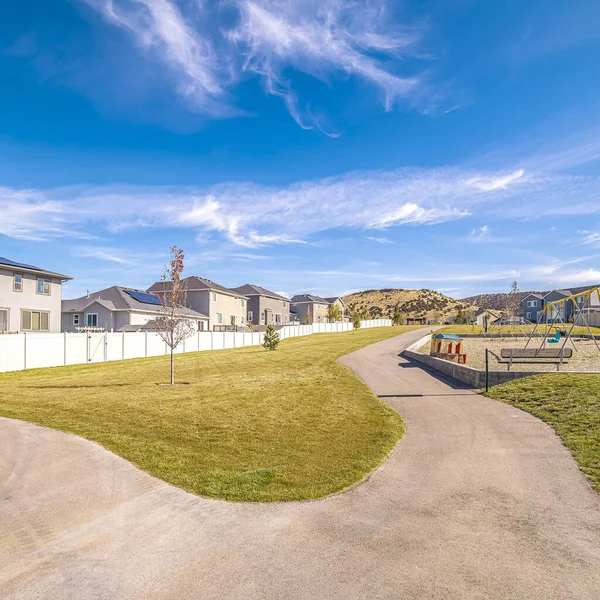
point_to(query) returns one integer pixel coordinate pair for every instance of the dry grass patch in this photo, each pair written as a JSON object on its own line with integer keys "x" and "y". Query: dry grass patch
{"x": 251, "y": 425}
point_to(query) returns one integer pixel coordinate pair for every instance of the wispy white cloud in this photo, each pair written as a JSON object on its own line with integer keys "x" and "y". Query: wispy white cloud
{"x": 253, "y": 216}
{"x": 490, "y": 183}
{"x": 287, "y": 215}
{"x": 206, "y": 55}
{"x": 379, "y": 240}
{"x": 30, "y": 215}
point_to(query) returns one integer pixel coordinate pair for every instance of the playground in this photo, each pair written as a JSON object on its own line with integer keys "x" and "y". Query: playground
{"x": 563, "y": 339}
{"x": 584, "y": 357}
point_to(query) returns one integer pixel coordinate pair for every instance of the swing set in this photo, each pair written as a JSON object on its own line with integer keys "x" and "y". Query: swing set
{"x": 557, "y": 312}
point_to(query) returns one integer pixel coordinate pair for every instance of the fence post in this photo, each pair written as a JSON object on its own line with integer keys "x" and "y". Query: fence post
{"x": 487, "y": 372}
{"x": 123, "y": 347}
{"x": 146, "y": 345}
{"x": 65, "y": 349}
{"x": 24, "y": 350}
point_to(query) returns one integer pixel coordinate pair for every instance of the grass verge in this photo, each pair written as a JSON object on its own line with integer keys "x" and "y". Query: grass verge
{"x": 570, "y": 404}
{"x": 251, "y": 425}
{"x": 509, "y": 330}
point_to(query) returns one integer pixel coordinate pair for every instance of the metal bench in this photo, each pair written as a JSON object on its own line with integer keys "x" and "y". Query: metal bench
{"x": 511, "y": 356}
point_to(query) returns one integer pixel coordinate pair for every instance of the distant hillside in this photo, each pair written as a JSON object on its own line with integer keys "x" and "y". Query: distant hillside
{"x": 499, "y": 301}
{"x": 413, "y": 303}
{"x": 494, "y": 301}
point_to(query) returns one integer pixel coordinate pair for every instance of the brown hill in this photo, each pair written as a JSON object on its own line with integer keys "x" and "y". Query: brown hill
{"x": 494, "y": 301}
{"x": 413, "y": 303}
{"x": 499, "y": 301}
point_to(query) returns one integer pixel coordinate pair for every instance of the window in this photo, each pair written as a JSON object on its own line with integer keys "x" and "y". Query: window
{"x": 317, "y": 306}
{"x": 277, "y": 318}
{"x": 213, "y": 296}
{"x": 531, "y": 303}
{"x": 284, "y": 304}
{"x": 232, "y": 319}
{"x": 295, "y": 304}
{"x": 43, "y": 287}
{"x": 262, "y": 318}
{"x": 75, "y": 319}
{"x": 34, "y": 320}
{"x": 249, "y": 315}
{"x": 528, "y": 316}
{"x": 91, "y": 320}
{"x": 18, "y": 282}
{"x": 3, "y": 319}
{"x": 242, "y": 301}
{"x": 219, "y": 318}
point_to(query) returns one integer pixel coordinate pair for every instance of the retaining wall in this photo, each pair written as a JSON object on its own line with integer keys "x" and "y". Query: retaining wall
{"x": 469, "y": 375}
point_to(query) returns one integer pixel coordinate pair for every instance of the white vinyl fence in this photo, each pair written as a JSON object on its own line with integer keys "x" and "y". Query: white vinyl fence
{"x": 36, "y": 350}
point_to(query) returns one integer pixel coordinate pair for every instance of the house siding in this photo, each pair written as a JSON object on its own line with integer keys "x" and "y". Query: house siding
{"x": 532, "y": 311}
{"x": 201, "y": 301}
{"x": 29, "y": 299}
{"x": 269, "y": 308}
{"x": 565, "y": 312}
{"x": 318, "y": 312}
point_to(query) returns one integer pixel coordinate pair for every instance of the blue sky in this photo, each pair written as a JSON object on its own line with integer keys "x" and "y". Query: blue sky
{"x": 318, "y": 146}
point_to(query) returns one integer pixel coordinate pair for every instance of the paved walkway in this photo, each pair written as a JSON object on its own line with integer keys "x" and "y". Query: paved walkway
{"x": 479, "y": 500}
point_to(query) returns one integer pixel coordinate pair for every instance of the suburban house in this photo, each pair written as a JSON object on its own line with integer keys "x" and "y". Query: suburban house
{"x": 337, "y": 301}
{"x": 484, "y": 316}
{"x": 224, "y": 307}
{"x": 119, "y": 309}
{"x": 30, "y": 298}
{"x": 533, "y": 305}
{"x": 310, "y": 308}
{"x": 265, "y": 307}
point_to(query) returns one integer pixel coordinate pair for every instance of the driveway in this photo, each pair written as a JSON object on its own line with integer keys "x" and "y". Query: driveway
{"x": 479, "y": 500}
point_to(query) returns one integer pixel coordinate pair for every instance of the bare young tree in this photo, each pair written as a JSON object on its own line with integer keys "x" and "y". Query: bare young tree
{"x": 512, "y": 303}
{"x": 172, "y": 326}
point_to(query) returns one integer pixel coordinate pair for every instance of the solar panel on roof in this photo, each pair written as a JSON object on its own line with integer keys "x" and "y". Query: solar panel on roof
{"x": 143, "y": 297}
{"x": 12, "y": 263}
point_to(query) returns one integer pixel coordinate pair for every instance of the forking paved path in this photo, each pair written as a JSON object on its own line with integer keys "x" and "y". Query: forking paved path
{"x": 479, "y": 500}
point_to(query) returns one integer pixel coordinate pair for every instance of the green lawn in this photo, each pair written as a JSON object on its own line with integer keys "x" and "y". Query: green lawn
{"x": 570, "y": 404}
{"x": 252, "y": 425}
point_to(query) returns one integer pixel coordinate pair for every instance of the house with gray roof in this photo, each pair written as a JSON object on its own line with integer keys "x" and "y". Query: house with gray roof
{"x": 264, "y": 306}
{"x": 534, "y": 303}
{"x": 224, "y": 307}
{"x": 310, "y": 308}
{"x": 339, "y": 302}
{"x": 30, "y": 298}
{"x": 119, "y": 309}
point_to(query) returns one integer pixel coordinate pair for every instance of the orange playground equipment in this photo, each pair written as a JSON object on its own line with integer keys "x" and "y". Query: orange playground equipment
{"x": 448, "y": 346}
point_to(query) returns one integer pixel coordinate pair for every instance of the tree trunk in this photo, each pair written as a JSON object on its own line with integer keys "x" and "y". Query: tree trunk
{"x": 172, "y": 366}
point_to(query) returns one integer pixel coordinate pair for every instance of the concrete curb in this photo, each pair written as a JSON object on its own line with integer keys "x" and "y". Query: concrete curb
{"x": 469, "y": 375}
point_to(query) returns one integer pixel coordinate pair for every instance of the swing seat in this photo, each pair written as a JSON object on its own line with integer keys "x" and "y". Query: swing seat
{"x": 555, "y": 339}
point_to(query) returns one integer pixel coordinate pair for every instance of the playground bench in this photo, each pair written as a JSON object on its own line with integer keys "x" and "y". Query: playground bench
{"x": 511, "y": 356}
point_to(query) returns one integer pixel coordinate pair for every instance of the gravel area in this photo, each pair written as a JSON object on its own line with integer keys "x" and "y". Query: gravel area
{"x": 586, "y": 357}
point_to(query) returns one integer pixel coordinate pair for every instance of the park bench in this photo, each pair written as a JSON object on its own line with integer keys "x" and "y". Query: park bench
{"x": 511, "y": 356}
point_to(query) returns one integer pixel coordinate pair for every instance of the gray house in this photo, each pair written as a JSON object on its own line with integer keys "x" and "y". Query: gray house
{"x": 559, "y": 312}
{"x": 310, "y": 308}
{"x": 30, "y": 298}
{"x": 118, "y": 309}
{"x": 532, "y": 305}
{"x": 223, "y": 306}
{"x": 265, "y": 307}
